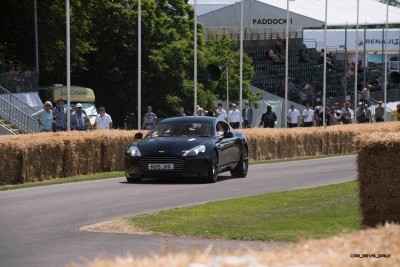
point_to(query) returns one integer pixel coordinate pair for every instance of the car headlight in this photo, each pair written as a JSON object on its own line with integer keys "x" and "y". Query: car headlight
{"x": 133, "y": 151}
{"x": 195, "y": 151}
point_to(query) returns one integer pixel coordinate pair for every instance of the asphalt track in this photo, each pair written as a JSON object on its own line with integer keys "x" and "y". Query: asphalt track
{"x": 39, "y": 226}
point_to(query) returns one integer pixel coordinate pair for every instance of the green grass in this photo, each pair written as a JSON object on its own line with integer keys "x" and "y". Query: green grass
{"x": 287, "y": 216}
{"x": 80, "y": 178}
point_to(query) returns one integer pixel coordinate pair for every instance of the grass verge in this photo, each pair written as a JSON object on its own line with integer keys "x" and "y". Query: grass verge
{"x": 80, "y": 178}
{"x": 286, "y": 216}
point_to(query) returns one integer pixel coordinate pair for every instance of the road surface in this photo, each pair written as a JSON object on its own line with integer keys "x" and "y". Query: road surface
{"x": 39, "y": 226}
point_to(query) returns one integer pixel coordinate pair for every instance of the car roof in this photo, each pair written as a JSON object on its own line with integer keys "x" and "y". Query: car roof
{"x": 191, "y": 119}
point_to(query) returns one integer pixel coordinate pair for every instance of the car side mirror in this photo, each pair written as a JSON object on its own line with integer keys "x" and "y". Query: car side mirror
{"x": 228, "y": 134}
{"x": 138, "y": 135}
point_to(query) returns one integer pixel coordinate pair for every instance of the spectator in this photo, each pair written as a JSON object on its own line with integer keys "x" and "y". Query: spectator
{"x": 332, "y": 59}
{"x": 368, "y": 115}
{"x": 235, "y": 117}
{"x": 103, "y": 120}
{"x": 318, "y": 117}
{"x": 268, "y": 119}
{"x": 396, "y": 113}
{"x": 272, "y": 55}
{"x": 360, "y": 66}
{"x": 360, "y": 113}
{"x": 345, "y": 113}
{"x": 332, "y": 118}
{"x": 337, "y": 109}
{"x": 309, "y": 89}
{"x": 200, "y": 112}
{"x": 78, "y": 118}
{"x": 211, "y": 111}
{"x": 230, "y": 112}
{"x": 365, "y": 94}
{"x": 303, "y": 56}
{"x": 293, "y": 117}
{"x": 181, "y": 111}
{"x": 149, "y": 119}
{"x": 247, "y": 115}
{"x": 45, "y": 117}
{"x": 59, "y": 116}
{"x": 279, "y": 45}
{"x": 379, "y": 112}
{"x": 222, "y": 113}
{"x": 308, "y": 116}
{"x": 349, "y": 72}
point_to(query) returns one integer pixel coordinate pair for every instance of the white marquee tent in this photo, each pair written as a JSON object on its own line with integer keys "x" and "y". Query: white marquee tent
{"x": 262, "y": 14}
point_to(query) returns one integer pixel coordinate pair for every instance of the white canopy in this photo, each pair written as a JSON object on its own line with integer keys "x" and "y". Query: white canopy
{"x": 271, "y": 14}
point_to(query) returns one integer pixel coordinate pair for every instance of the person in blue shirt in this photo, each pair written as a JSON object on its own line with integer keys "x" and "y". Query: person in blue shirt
{"x": 45, "y": 117}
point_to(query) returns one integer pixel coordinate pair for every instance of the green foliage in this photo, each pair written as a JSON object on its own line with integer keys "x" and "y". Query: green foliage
{"x": 104, "y": 52}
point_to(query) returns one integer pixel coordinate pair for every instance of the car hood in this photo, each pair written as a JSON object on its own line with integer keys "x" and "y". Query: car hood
{"x": 169, "y": 145}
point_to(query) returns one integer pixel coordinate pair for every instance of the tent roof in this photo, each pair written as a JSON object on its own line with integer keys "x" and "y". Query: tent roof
{"x": 341, "y": 12}
{"x": 304, "y": 13}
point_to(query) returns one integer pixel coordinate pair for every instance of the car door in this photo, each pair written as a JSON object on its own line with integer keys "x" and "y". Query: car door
{"x": 226, "y": 144}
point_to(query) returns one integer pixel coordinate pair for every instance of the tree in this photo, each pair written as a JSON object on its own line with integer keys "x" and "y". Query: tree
{"x": 104, "y": 52}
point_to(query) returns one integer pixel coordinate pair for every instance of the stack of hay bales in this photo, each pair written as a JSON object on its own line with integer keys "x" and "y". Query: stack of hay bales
{"x": 37, "y": 157}
{"x": 378, "y": 164}
{"x": 266, "y": 144}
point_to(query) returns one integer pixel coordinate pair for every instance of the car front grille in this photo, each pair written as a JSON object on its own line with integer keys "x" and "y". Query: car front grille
{"x": 145, "y": 161}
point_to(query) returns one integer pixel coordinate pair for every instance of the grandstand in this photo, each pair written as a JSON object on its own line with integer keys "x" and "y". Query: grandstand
{"x": 265, "y": 21}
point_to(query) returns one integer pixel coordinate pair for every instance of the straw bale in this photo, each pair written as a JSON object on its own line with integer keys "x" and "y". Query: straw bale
{"x": 10, "y": 163}
{"x": 372, "y": 247}
{"x": 378, "y": 164}
{"x": 36, "y": 157}
{"x": 99, "y": 151}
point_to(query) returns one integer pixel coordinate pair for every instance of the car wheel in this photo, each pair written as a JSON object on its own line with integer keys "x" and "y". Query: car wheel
{"x": 213, "y": 168}
{"x": 240, "y": 171}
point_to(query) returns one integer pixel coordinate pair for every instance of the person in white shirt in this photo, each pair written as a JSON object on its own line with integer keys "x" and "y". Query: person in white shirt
{"x": 103, "y": 120}
{"x": 229, "y": 113}
{"x": 222, "y": 113}
{"x": 235, "y": 117}
{"x": 308, "y": 116}
{"x": 293, "y": 117}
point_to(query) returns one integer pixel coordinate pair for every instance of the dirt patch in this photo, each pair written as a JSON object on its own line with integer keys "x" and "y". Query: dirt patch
{"x": 119, "y": 226}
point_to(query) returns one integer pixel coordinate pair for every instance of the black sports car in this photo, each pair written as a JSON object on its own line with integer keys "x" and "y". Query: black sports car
{"x": 187, "y": 147}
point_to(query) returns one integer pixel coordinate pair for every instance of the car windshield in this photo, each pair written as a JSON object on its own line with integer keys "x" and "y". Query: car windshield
{"x": 181, "y": 129}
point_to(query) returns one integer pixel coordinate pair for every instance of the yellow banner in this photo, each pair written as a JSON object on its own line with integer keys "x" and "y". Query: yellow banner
{"x": 78, "y": 94}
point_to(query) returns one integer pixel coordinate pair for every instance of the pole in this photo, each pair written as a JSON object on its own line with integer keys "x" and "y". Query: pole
{"x": 324, "y": 76}
{"x": 386, "y": 58}
{"x": 241, "y": 61}
{"x": 227, "y": 88}
{"x": 364, "y": 65}
{"x": 68, "y": 65}
{"x": 356, "y": 62}
{"x": 286, "y": 64}
{"x": 195, "y": 60}
{"x": 139, "y": 85}
{"x": 36, "y": 37}
{"x": 345, "y": 62}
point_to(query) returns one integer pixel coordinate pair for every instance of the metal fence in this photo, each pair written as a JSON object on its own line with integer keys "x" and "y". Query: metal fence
{"x": 17, "y": 112}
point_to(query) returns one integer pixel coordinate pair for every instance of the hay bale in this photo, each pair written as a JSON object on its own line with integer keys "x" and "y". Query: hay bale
{"x": 372, "y": 247}
{"x": 378, "y": 165}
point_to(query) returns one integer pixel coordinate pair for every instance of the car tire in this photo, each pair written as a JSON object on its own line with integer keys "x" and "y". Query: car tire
{"x": 213, "y": 168}
{"x": 240, "y": 171}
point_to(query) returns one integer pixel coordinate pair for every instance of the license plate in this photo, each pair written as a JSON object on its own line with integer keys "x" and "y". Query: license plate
{"x": 164, "y": 166}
